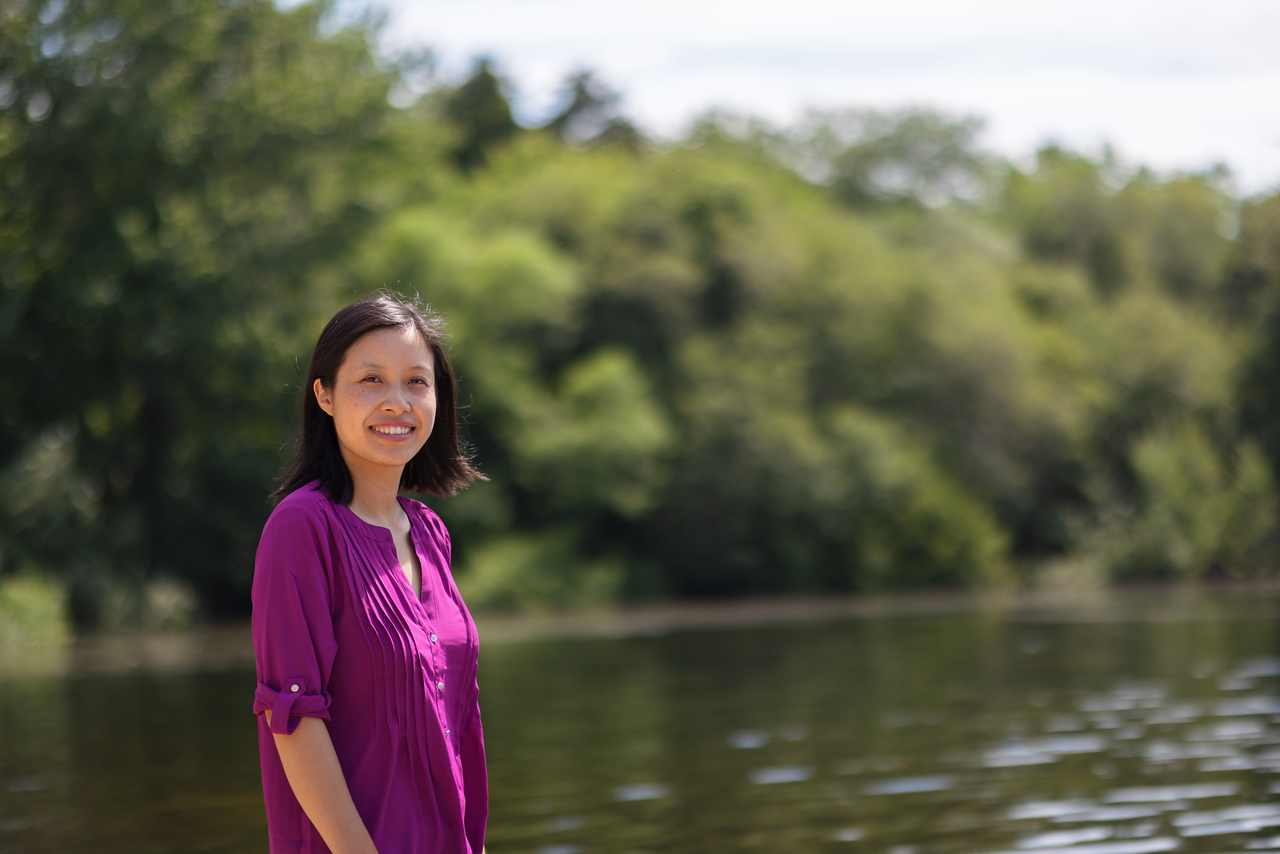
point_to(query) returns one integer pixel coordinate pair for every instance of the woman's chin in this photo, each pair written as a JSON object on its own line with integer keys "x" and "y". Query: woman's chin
{"x": 381, "y": 458}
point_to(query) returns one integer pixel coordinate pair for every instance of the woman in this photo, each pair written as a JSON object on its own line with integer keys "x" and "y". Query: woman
{"x": 368, "y": 721}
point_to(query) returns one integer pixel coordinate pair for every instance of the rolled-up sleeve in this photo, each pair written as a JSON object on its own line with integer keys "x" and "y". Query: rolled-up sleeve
{"x": 293, "y": 637}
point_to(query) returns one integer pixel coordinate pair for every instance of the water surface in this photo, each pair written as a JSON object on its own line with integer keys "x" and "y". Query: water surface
{"x": 1139, "y": 723}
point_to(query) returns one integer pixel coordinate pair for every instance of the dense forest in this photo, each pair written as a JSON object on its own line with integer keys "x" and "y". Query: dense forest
{"x": 852, "y": 354}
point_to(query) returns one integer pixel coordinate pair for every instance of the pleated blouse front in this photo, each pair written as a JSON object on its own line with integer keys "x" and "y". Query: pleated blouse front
{"x": 339, "y": 634}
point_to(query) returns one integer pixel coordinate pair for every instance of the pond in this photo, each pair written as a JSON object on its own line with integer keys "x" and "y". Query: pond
{"x": 1139, "y": 722}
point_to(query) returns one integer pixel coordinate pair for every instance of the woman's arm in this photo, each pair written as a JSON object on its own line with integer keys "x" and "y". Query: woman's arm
{"x": 312, "y": 767}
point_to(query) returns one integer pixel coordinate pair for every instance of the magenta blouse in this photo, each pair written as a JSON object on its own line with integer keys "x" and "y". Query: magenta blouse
{"x": 338, "y": 634}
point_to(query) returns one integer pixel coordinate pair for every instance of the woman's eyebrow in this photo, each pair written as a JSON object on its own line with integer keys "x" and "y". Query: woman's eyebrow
{"x": 375, "y": 365}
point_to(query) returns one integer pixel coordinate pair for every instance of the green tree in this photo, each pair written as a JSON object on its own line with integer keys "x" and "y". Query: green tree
{"x": 872, "y": 158}
{"x": 172, "y": 178}
{"x": 479, "y": 108}
{"x": 854, "y": 354}
{"x": 589, "y": 114}
{"x": 1064, "y": 213}
{"x": 1254, "y": 292}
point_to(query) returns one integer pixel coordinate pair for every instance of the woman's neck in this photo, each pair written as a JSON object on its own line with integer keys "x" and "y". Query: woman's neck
{"x": 373, "y": 496}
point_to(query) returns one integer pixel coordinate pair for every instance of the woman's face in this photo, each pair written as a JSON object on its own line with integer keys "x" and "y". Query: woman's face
{"x": 383, "y": 400}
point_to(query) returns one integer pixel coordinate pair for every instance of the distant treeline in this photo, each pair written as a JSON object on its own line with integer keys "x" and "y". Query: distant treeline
{"x": 852, "y": 354}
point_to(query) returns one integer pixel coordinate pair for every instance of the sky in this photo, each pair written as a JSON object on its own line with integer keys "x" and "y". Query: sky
{"x": 1173, "y": 85}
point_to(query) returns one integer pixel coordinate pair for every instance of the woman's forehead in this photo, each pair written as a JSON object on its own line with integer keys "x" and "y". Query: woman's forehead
{"x": 391, "y": 346}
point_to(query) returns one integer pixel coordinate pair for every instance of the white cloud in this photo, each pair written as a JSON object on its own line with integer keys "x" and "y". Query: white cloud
{"x": 1174, "y": 84}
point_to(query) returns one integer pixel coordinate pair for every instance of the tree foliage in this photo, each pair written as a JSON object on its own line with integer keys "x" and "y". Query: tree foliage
{"x": 479, "y": 109}
{"x": 172, "y": 177}
{"x": 854, "y": 354}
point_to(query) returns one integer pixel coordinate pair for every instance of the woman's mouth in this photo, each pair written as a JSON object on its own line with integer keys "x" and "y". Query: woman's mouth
{"x": 388, "y": 430}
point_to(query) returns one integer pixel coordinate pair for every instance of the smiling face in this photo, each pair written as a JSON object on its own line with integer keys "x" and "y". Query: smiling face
{"x": 383, "y": 401}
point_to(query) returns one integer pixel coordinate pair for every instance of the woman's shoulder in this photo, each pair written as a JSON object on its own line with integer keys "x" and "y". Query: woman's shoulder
{"x": 420, "y": 512}
{"x": 300, "y": 532}
{"x": 307, "y": 506}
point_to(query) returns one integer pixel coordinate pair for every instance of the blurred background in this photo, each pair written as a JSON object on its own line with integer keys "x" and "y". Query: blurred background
{"x": 851, "y": 303}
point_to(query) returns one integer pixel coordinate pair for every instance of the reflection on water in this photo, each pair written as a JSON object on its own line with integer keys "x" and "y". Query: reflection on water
{"x": 141, "y": 763}
{"x": 1122, "y": 730}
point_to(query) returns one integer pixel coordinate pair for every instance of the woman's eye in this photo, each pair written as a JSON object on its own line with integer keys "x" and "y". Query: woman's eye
{"x": 370, "y": 379}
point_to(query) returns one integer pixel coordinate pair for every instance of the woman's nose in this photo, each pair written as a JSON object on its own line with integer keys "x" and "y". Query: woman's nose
{"x": 397, "y": 400}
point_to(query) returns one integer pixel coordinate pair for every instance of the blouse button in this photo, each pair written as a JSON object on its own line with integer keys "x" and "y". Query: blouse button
{"x": 433, "y": 638}
{"x": 440, "y": 685}
{"x": 294, "y": 687}
{"x": 446, "y": 732}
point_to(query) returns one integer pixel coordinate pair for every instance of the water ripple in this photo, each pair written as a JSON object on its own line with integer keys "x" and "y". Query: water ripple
{"x": 908, "y": 785}
{"x": 781, "y": 774}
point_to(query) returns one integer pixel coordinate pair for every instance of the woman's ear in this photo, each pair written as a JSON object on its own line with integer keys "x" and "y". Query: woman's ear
{"x": 324, "y": 397}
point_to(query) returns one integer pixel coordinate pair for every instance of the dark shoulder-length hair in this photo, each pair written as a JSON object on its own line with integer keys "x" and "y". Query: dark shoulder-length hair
{"x": 441, "y": 467}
